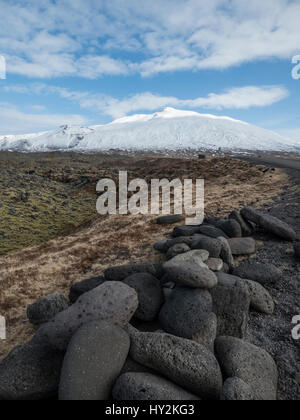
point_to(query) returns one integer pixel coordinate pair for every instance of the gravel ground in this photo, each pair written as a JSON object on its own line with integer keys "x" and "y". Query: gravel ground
{"x": 274, "y": 333}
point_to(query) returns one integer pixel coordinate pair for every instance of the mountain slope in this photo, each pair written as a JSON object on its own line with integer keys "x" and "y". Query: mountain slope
{"x": 167, "y": 130}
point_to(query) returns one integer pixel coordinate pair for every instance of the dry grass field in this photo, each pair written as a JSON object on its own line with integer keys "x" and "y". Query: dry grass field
{"x": 86, "y": 244}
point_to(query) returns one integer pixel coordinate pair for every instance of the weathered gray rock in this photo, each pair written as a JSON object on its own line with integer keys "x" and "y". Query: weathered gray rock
{"x": 177, "y": 250}
{"x": 212, "y": 245}
{"x": 84, "y": 286}
{"x": 120, "y": 273}
{"x": 269, "y": 223}
{"x": 212, "y": 231}
{"x": 112, "y": 301}
{"x": 161, "y": 246}
{"x": 226, "y": 253}
{"x": 149, "y": 293}
{"x": 184, "y": 362}
{"x": 249, "y": 363}
{"x": 261, "y": 300}
{"x": 30, "y": 372}
{"x": 185, "y": 310}
{"x": 43, "y": 310}
{"x": 242, "y": 246}
{"x": 169, "y": 220}
{"x": 93, "y": 362}
{"x": 231, "y": 304}
{"x": 231, "y": 227}
{"x": 198, "y": 256}
{"x": 185, "y": 231}
{"x": 264, "y": 274}
{"x": 191, "y": 275}
{"x": 133, "y": 366}
{"x": 215, "y": 264}
{"x": 235, "y": 389}
{"x": 147, "y": 387}
{"x": 207, "y": 332}
{"x": 247, "y": 228}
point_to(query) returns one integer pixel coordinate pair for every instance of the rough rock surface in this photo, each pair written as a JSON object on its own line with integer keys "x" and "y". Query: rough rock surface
{"x": 84, "y": 286}
{"x": 93, "y": 362}
{"x": 269, "y": 223}
{"x": 231, "y": 227}
{"x": 147, "y": 387}
{"x": 235, "y": 389}
{"x": 207, "y": 332}
{"x": 264, "y": 274}
{"x": 212, "y": 231}
{"x": 192, "y": 275}
{"x": 226, "y": 253}
{"x": 185, "y": 231}
{"x": 177, "y": 250}
{"x": 212, "y": 245}
{"x": 261, "y": 300}
{"x": 30, "y": 372}
{"x": 184, "y": 362}
{"x": 112, "y": 301}
{"x": 120, "y": 273}
{"x": 231, "y": 303}
{"x": 185, "y": 311}
{"x": 215, "y": 264}
{"x": 169, "y": 220}
{"x": 149, "y": 293}
{"x": 242, "y": 246}
{"x": 247, "y": 228}
{"x": 43, "y": 310}
{"x": 251, "y": 364}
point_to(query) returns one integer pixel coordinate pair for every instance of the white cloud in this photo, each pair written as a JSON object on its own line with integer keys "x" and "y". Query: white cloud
{"x": 235, "y": 98}
{"x": 84, "y": 37}
{"x": 14, "y": 121}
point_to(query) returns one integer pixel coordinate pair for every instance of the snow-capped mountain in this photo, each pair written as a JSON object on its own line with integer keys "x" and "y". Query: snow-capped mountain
{"x": 170, "y": 129}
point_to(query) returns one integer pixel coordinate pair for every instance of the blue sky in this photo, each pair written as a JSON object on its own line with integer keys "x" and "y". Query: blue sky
{"x": 88, "y": 62}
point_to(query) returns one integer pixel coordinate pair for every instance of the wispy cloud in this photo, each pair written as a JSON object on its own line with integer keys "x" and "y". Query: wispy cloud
{"x": 85, "y": 37}
{"x": 235, "y": 98}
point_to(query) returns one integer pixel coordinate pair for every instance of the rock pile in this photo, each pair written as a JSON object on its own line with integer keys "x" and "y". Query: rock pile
{"x": 193, "y": 309}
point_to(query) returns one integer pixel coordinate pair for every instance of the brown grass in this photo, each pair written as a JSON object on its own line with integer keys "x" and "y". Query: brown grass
{"x": 56, "y": 265}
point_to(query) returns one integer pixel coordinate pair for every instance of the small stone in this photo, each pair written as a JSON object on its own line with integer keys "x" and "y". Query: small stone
{"x": 264, "y": 274}
{"x": 169, "y": 220}
{"x": 251, "y": 364}
{"x": 84, "y": 286}
{"x": 177, "y": 250}
{"x": 215, "y": 264}
{"x": 212, "y": 231}
{"x": 242, "y": 246}
{"x": 184, "y": 312}
{"x": 212, "y": 245}
{"x": 149, "y": 293}
{"x": 247, "y": 228}
{"x": 185, "y": 231}
{"x": 235, "y": 389}
{"x": 148, "y": 387}
{"x": 261, "y": 300}
{"x": 226, "y": 253}
{"x": 43, "y": 310}
{"x": 93, "y": 362}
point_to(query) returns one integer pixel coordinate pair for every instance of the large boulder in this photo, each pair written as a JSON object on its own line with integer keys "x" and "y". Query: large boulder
{"x": 184, "y": 362}
{"x": 84, "y": 286}
{"x": 120, "y": 273}
{"x": 147, "y": 387}
{"x": 149, "y": 293}
{"x": 249, "y": 363}
{"x": 192, "y": 275}
{"x": 112, "y": 301}
{"x": 231, "y": 227}
{"x": 93, "y": 362}
{"x": 235, "y": 389}
{"x": 247, "y": 228}
{"x": 261, "y": 300}
{"x": 43, "y": 310}
{"x": 212, "y": 245}
{"x": 264, "y": 274}
{"x": 30, "y": 372}
{"x": 269, "y": 223}
{"x": 212, "y": 231}
{"x": 242, "y": 246}
{"x": 231, "y": 304}
{"x": 185, "y": 311}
